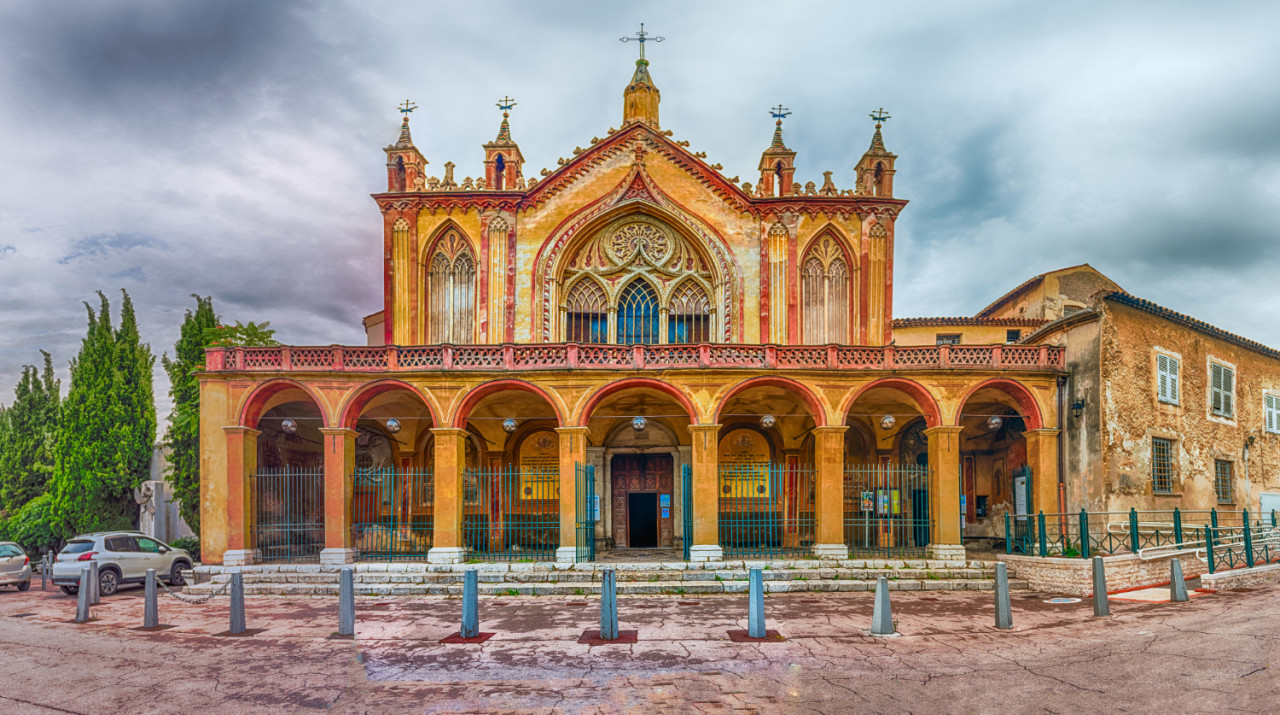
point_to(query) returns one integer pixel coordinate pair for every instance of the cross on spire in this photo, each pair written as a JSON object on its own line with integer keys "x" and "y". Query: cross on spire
{"x": 642, "y": 37}
{"x": 780, "y": 112}
{"x": 879, "y": 116}
{"x": 407, "y": 107}
{"x": 505, "y": 104}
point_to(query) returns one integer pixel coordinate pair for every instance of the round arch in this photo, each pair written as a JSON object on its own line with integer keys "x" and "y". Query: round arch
{"x": 482, "y": 391}
{"x": 617, "y": 386}
{"x": 255, "y": 402}
{"x": 816, "y": 410}
{"x": 1028, "y": 407}
{"x": 917, "y": 392}
{"x": 355, "y": 403}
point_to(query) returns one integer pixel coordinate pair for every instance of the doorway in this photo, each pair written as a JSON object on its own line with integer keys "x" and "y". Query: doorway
{"x": 642, "y": 520}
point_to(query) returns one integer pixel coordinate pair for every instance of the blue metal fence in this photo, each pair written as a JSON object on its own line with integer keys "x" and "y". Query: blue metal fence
{"x": 886, "y": 511}
{"x": 288, "y": 514}
{"x": 766, "y": 510}
{"x": 392, "y": 513}
{"x": 512, "y": 513}
{"x": 588, "y": 512}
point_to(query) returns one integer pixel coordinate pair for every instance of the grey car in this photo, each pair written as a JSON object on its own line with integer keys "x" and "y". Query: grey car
{"x": 122, "y": 557}
{"x": 15, "y": 566}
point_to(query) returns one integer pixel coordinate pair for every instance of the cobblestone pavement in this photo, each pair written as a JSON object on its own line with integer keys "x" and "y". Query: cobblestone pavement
{"x": 1220, "y": 652}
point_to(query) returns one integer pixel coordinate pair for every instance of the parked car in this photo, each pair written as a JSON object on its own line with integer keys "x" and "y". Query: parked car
{"x": 122, "y": 557}
{"x": 15, "y": 566}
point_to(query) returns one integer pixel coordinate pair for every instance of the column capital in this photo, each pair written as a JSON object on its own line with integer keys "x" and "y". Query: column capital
{"x": 337, "y": 431}
{"x": 241, "y": 430}
{"x": 1043, "y": 432}
{"x": 448, "y": 431}
{"x": 704, "y": 428}
{"x": 572, "y": 430}
{"x": 831, "y": 430}
{"x": 944, "y": 429}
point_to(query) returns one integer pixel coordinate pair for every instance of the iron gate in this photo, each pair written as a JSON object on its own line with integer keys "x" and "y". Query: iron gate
{"x": 766, "y": 509}
{"x": 588, "y": 512}
{"x": 392, "y": 513}
{"x": 512, "y": 513}
{"x": 288, "y": 514}
{"x": 686, "y": 506}
{"x": 886, "y": 510}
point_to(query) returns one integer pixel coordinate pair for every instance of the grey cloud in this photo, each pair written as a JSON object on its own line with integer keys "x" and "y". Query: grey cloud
{"x": 104, "y": 244}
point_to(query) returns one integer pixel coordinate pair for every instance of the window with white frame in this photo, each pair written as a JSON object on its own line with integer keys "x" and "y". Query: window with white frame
{"x": 1271, "y": 407}
{"x": 1222, "y": 390}
{"x": 1167, "y": 378}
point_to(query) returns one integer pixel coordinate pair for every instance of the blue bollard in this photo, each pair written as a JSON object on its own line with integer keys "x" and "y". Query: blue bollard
{"x": 755, "y": 612}
{"x": 470, "y": 605}
{"x": 882, "y": 612}
{"x": 608, "y": 605}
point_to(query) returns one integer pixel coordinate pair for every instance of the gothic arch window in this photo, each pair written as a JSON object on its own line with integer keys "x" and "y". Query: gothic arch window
{"x": 587, "y": 313}
{"x": 638, "y": 314}
{"x": 689, "y": 314}
{"x": 824, "y": 284}
{"x": 451, "y": 290}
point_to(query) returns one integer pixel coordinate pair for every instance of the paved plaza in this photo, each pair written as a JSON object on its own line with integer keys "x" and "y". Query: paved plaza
{"x": 1220, "y": 652}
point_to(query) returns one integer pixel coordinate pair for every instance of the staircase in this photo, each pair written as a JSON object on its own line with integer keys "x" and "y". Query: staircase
{"x": 554, "y": 579}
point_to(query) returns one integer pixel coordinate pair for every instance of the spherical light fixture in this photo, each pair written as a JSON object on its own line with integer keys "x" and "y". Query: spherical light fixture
{"x": 994, "y": 422}
{"x": 887, "y": 422}
{"x": 288, "y": 426}
{"x": 638, "y": 424}
{"x": 393, "y": 425}
{"x": 768, "y": 421}
{"x": 509, "y": 425}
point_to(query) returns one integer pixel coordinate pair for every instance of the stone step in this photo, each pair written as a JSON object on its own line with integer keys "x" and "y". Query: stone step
{"x": 456, "y": 577}
{"x": 621, "y": 568}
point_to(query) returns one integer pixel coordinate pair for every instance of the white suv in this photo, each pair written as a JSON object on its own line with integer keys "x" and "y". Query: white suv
{"x": 122, "y": 557}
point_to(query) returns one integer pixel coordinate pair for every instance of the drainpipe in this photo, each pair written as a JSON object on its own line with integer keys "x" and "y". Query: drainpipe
{"x": 1062, "y": 455}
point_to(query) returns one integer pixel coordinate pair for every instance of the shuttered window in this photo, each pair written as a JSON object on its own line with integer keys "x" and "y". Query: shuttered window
{"x": 1222, "y": 390}
{"x": 1271, "y": 407}
{"x": 1167, "y": 378}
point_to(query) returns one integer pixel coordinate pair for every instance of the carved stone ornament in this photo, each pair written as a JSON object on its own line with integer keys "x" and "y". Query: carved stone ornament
{"x": 637, "y": 235}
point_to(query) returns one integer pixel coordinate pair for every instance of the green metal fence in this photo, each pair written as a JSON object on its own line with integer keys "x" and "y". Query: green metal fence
{"x": 886, "y": 511}
{"x": 392, "y": 513}
{"x": 588, "y": 512}
{"x": 288, "y": 514}
{"x": 766, "y": 510}
{"x": 1249, "y": 544}
{"x": 686, "y": 503}
{"x": 512, "y": 513}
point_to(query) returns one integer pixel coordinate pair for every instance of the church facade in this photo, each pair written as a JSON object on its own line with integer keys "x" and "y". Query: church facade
{"x": 630, "y": 351}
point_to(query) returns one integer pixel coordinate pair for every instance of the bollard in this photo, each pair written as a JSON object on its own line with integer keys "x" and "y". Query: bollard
{"x": 1004, "y": 611}
{"x": 44, "y": 572}
{"x": 95, "y": 584}
{"x": 608, "y": 605}
{"x": 882, "y": 615}
{"x": 1101, "y": 606}
{"x": 1177, "y": 584}
{"x": 755, "y": 606}
{"x": 237, "y": 604}
{"x": 347, "y": 603}
{"x": 151, "y": 611}
{"x": 470, "y": 605}
{"x": 82, "y": 598}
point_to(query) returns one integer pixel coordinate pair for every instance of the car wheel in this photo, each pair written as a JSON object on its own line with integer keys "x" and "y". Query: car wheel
{"x": 175, "y": 573}
{"x": 108, "y": 582}
{"x": 24, "y": 585}
{"x": 70, "y": 590}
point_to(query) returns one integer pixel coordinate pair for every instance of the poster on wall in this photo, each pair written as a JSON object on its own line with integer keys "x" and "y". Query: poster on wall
{"x": 868, "y": 501}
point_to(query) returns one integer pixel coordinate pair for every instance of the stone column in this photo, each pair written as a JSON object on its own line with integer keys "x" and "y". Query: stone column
{"x": 706, "y": 494}
{"x": 944, "y": 493}
{"x": 242, "y": 461}
{"x": 339, "y": 463}
{"x": 1042, "y": 457}
{"x": 828, "y": 445}
{"x": 573, "y": 451}
{"x": 448, "y": 544}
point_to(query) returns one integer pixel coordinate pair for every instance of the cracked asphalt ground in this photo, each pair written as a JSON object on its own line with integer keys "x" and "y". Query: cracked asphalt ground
{"x": 1220, "y": 652}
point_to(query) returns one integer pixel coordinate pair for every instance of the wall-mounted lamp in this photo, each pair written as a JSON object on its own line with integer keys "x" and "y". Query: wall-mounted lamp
{"x": 1077, "y": 408}
{"x": 1248, "y": 441}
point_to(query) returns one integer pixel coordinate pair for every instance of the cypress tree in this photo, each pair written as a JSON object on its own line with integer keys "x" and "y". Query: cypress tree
{"x": 136, "y": 430}
{"x": 183, "y": 435}
{"x": 29, "y": 437}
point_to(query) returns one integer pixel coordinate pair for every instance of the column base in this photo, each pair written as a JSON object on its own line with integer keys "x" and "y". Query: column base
{"x": 701, "y": 553}
{"x": 337, "y": 557}
{"x": 836, "y": 552}
{"x": 947, "y": 552}
{"x": 446, "y": 555}
{"x": 239, "y": 557}
{"x": 566, "y": 554}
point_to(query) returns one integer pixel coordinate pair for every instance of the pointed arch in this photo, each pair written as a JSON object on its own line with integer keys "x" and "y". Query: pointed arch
{"x": 689, "y": 314}
{"x": 450, "y": 288}
{"x": 826, "y": 286}
{"x": 586, "y": 311}
{"x": 638, "y": 314}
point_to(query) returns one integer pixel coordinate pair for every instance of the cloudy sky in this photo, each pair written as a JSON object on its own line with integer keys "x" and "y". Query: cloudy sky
{"x": 229, "y": 148}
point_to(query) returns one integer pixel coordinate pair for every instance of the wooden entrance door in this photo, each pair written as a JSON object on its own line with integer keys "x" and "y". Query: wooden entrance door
{"x": 642, "y": 474}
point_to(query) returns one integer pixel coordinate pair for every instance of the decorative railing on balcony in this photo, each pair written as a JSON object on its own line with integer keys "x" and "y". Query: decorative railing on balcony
{"x": 561, "y": 356}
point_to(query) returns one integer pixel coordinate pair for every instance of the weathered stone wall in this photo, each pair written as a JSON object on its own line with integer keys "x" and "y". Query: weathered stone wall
{"x": 1074, "y": 577}
{"x": 1242, "y": 578}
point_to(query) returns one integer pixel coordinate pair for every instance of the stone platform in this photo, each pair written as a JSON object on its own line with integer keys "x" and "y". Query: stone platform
{"x": 556, "y": 579}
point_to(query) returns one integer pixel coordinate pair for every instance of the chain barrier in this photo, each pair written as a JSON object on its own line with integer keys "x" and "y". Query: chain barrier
{"x": 193, "y": 599}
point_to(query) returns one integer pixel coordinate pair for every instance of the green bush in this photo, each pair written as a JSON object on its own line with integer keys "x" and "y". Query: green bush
{"x": 188, "y": 544}
{"x": 33, "y": 526}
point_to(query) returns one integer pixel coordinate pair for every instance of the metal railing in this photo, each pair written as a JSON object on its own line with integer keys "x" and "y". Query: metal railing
{"x": 393, "y": 513}
{"x": 288, "y": 514}
{"x": 886, "y": 511}
{"x": 766, "y": 510}
{"x": 512, "y": 513}
{"x": 686, "y": 510}
{"x": 588, "y": 512}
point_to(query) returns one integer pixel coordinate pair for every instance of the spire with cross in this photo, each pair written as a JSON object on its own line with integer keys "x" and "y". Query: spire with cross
{"x": 642, "y": 37}
{"x": 779, "y": 113}
{"x": 505, "y": 104}
{"x": 880, "y": 117}
{"x": 405, "y": 139}
{"x": 877, "y": 141}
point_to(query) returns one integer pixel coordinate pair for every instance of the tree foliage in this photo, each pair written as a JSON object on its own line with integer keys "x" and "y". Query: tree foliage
{"x": 246, "y": 335}
{"x": 183, "y": 436}
{"x": 28, "y": 436}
